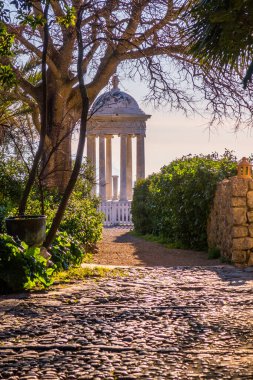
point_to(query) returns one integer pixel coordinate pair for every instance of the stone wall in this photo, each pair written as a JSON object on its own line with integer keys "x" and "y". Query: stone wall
{"x": 230, "y": 226}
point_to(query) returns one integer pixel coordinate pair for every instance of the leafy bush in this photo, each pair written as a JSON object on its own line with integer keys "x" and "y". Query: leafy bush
{"x": 214, "y": 253}
{"x": 175, "y": 203}
{"x": 80, "y": 229}
{"x": 81, "y": 221}
{"x": 12, "y": 175}
{"x": 21, "y": 267}
{"x": 66, "y": 251}
{"x": 140, "y": 211}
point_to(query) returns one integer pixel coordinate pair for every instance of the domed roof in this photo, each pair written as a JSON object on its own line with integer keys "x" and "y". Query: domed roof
{"x": 115, "y": 102}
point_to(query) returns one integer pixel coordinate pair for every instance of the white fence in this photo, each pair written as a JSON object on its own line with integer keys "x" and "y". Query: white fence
{"x": 117, "y": 213}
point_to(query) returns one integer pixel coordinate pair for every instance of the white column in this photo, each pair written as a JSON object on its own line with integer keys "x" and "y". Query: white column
{"x": 129, "y": 168}
{"x": 115, "y": 179}
{"x": 91, "y": 155}
{"x": 140, "y": 157}
{"x": 102, "y": 187}
{"x": 108, "y": 167}
{"x": 123, "y": 167}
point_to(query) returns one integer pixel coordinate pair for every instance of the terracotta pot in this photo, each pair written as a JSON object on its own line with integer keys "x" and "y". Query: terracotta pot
{"x": 29, "y": 228}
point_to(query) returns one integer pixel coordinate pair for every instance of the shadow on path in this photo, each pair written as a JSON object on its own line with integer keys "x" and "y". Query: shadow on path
{"x": 120, "y": 247}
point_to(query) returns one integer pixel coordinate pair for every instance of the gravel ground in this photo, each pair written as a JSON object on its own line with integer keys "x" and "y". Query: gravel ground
{"x": 119, "y": 247}
{"x": 155, "y": 323}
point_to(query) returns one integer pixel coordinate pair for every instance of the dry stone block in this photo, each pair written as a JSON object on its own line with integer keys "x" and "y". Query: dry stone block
{"x": 238, "y": 202}
{"x": 231, "y": 214}
{"x": 238, "y": 257}
{"x": 242, "y": 243}
{"x": 239, "y": 215}
{"x": 250, "y": 261}
{"x": 250, "y": 216}
{"x": 240, "y": 231}
{"x": 250, "y": 199}
{"x": 250, "y": 183}
{"x": 239, "y": 187}
{"x": 250, "y": 230}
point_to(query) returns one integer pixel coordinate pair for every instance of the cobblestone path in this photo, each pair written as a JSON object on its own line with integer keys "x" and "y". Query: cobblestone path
{"x": 155, "y": 323}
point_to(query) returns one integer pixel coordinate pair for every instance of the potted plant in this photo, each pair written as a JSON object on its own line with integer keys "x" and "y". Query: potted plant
{"x": 29, "y": 228}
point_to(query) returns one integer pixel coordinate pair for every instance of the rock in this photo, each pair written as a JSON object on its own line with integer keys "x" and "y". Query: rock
{"x": 250, "y": 228}
{"x": 239, "y": 187}
{"x": 243, "y": 243}
{"x": 239, "y": 215}
{"x": 240, "y": 231}
{"x": 250, "y": 184}
{"x": 249, "y": 269}
{"x": 250, "y": 261}
{"x": 250, "y": 199}
{"x": 127, "y": 339}
{"x": 239, "y": 257}
{"x": 238, "y": 202}
{"x": 250, "y": 216}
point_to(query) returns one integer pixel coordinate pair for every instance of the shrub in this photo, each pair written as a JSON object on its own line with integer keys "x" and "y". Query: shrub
{"x": 141, "y": 207}
{"x": 214, "y": 253}
{"x": 81, "y": 221}
{"x": 175, "y": 203}
{"x": 66, "y": 251}
{"x": 80, "y": 229}
{"x": 12, "y": 175}
{"x": 21, "y": 267}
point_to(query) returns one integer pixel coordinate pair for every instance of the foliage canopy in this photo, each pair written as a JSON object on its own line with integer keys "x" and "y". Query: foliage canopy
{"x": 221, "y": 31}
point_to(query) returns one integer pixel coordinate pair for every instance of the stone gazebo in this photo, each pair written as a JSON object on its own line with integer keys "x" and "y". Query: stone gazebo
{"x": 116, "y": 113}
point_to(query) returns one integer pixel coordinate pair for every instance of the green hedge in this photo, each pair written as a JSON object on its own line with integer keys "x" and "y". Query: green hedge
{"x": 174, "y": 204}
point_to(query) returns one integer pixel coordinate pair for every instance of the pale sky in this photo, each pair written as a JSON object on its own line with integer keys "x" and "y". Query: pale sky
{"x": 170, "y": 135}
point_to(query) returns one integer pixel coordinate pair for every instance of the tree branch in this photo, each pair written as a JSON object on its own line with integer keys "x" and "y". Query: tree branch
{"x": 25, "y": 42}
{"x": 27, "y": 86}
{"x": 151, "y": 51}
{"x": 37, "y": 10}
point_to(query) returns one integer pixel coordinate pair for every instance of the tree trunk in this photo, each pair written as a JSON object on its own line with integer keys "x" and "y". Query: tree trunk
{"x": 80, "y": 149}
{"x": 57, "y": 162}
{"x": 56, "y": 166}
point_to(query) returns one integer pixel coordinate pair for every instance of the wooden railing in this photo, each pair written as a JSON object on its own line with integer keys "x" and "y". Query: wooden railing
{"x": 117, "y": 213}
